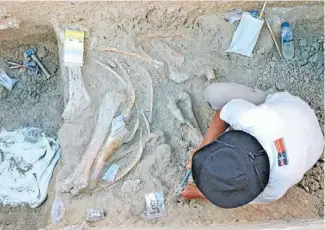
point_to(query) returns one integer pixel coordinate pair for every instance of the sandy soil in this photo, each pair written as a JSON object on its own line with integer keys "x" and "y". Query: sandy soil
{"x": 199, "y": 33}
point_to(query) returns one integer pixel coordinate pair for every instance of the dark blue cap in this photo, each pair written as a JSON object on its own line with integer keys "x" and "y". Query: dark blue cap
{"x": 232, "y": 170}
{"x": 285, "y": 24}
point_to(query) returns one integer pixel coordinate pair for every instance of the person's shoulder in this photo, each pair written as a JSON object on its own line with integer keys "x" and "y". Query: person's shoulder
{"x": 234, "y": 111}
{"x": 283, "y": 97}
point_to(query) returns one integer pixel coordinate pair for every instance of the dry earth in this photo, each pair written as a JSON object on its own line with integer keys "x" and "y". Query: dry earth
{"x": 195, "y": 30}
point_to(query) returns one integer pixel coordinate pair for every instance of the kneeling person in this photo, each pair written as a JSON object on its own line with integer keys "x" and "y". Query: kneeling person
{"x": 272, "y": 141}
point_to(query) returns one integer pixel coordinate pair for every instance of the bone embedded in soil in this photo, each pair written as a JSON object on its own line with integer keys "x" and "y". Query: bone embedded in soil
{"x": 177, "y": 45}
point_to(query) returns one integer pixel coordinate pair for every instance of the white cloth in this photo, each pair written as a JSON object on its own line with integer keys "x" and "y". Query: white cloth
{"x": 27, "y": 161}
{"x": 246, "y": 35}
{"x": 281, "y": 116}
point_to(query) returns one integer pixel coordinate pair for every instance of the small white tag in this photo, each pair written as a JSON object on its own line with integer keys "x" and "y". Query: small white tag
{"x": 95, "y": 214}
{"x": 155, "y": 206}
{"x": 57, "y": 210}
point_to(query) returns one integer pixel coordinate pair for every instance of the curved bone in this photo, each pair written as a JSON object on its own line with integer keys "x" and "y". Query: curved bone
{"x": 146, "y": 122}
{"x": 151, "y": 95}
{"x": 135, "y": 128}
{"x": 173, "y": 59}
{"x": 112, "y": 143}
{"x": 127, "y": 114}
{"x": 136, "y": 56}
{"x": 136, "y": 160}
{"x": 78, "y": 180}
{"x": 111, "y": 70}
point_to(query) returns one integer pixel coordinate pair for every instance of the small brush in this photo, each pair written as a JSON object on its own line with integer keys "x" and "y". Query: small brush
{"x": 183, "y": 182}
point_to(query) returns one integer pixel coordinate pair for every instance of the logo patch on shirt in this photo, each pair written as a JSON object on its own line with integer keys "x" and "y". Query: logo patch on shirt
{"x": 282, "y": 152}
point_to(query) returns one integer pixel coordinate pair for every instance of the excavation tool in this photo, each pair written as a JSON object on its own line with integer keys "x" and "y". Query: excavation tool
{"x": 14, "y": 65}
{"x": 183, "y": 182}
{"x": 30, "y": 65}
{"x": 274, "y": 39}
{"x": 31, "y": 52}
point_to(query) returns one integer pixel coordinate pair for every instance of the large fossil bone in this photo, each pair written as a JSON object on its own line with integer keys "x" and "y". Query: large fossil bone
{"x": 79, "y": 98}
{"x": 173, "y": 59}
{"x": 119, "y": 134}
{"x": 80, "y": 176}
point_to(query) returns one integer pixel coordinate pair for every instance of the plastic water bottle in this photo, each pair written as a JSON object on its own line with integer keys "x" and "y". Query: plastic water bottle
{"x": 288, "y": 49}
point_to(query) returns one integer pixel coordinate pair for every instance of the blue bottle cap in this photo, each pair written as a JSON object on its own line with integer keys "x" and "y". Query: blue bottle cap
{"x": 254, "y": 13}
{"x": 285, "y": 24}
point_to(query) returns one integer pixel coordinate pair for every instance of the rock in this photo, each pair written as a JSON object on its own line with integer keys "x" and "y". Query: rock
{"x": 312, "y": 89}
{"x": 280, "y": 86}
{"x": 320, "y": 163}
{"x": 274, "y": 58}
{"x": 305, "y": 54}
{"x": 320, "y": 193}
{"x": 314, "y": 185}
{"x": 3, "y": 92}
{"x": 210, "y": 75}
{"x": 306, "y": 189}
{"x": 292, "y": 79}
{"x": 303, "y": 183}
{"x": 315, "y": 45}
{"x": 314, "y": 58}
{"x": 319, "y": 171}
{"x": 314, "y": 170}
{"x": 42, "y": 52}
{"x": 302, "y": 42}
{"x": 306, "y": 79}
{"x": 303, "y": 62}
{"x": 260, "y": 51}
{"x": 317, "y": 178}
{"x": 272, "y": 64}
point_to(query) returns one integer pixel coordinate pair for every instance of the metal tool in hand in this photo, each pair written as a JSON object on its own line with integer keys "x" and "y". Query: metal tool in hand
{"x": 180, "y": 187}
{"x": 31, "y": 52}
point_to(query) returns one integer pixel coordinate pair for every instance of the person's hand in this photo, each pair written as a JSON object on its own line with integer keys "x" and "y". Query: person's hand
{"x": 191, "y": 192}
{"x": 189, "y": 163}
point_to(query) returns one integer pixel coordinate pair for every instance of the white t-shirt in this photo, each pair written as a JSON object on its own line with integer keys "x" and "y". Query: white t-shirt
{"x": 283, "y": 124}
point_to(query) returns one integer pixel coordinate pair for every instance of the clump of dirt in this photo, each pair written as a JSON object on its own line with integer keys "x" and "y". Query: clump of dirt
{"x": 35, "y": 101}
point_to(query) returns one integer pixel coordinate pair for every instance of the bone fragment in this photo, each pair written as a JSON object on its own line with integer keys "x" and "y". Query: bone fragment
{"x": 173, "y": 107}
{"x": 151, "y": 95}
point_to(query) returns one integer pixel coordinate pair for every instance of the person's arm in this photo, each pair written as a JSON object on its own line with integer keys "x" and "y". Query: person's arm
{"x": 215, "y": 129}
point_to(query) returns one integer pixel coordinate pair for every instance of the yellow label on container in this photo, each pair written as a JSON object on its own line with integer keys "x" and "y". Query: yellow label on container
{"x": 73, "y": 47}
